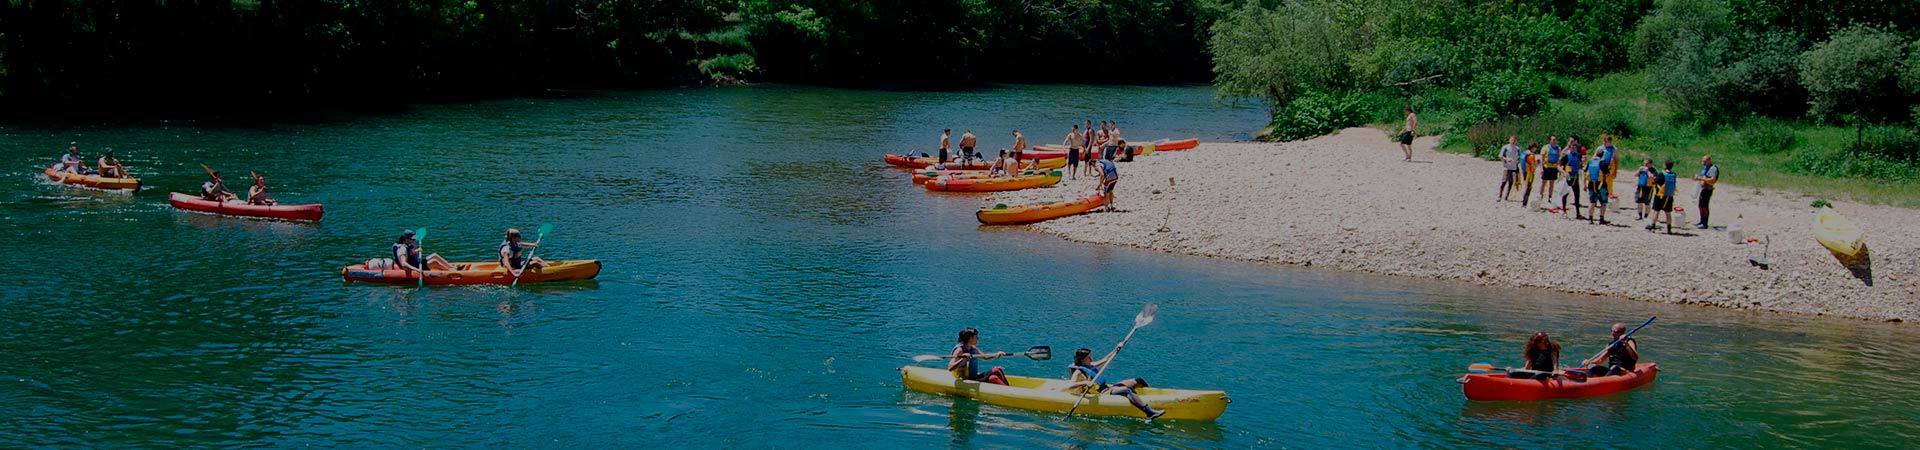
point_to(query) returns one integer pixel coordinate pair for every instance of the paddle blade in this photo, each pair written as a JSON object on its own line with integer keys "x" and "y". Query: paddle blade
{"x": 420, "y": 234}
{"x": 1040, "y": 353}
{"x": 927, "y": 358}
{"x": 1146, "y": 316}
{"x": 545, "y": 228}
{"x": 1481, "y": 367}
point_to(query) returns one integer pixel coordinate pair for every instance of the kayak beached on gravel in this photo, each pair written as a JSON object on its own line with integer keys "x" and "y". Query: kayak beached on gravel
{"x": 994, "y": 184}
{"x": 1003, "y": 214}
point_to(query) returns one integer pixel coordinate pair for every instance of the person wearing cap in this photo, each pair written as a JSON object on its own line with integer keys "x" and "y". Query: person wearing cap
{"x": 110, "y": 167}
{"x": 70, "y": 162}
{"x": 406, "y": 254}
{"x": 216, "y": 190}
{"x": 1085, "y": 372}
{"x": 257, "y": 194}
{"x": 511, "y": 253}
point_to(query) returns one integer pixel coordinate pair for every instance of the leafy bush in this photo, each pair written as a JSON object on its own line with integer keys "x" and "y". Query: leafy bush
{"x": 1509, "y": 93}
{"x": 1562, "y": 88}
{"x": 1714, "y": 71}
{"x": 1486, "y": 138}
{"x": 1857, "y": 72}
{"x": 1893, "y": 143}
{"x": 1767, "y": 136}
{"x": 1317, "y": 113}
{"x": 1617, "y": 121}
{"x": 1848, "y": 164}
{"x": 1280, "y": 54}
{"x": 729, "y": 68}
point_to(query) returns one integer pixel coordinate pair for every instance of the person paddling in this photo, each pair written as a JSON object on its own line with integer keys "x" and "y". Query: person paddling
{"x": 257, "y": 194}
{"x": 70, "y": 162}
{"x": 511, "y": 250}
{"x": 110, "y": 166}
{"x": 1084, "y": 370}
{"x": 1618, "y": 359}
{"x": 1542, "y": 355}
{"x": 216, "y": 190}
{"x": 406, "y": 254}
{"x": 966, "y": 357}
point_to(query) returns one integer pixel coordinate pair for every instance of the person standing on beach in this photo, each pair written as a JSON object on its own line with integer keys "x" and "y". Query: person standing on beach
{"x": 1608, "y": 154}
{"x": 1549, "y": 170}
{"x": 967, "y": 142}
{"x": 946, "y": 142}
{"x": 1073, "y": 144}
{"x": 1528, "y": 163}
{"x": 1643, "y": 190}
{"x": 1664, "y": 187}
{"x": 1570, "y": 158}
{"x": 1510, "y": 158}
{"x": 1709, "y": 175}
{"x": 1109, "y": 176}
{"x": 1406, "y": 133}
{"x": 1597, "y": 190}
{"x": 1019, "y": 145}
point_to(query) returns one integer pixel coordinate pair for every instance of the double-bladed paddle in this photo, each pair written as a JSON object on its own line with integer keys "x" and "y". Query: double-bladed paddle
{"x": 1036, "y": 353}
{"x": 419, "y": 241}
{"x": 539, "y": 235}
{"x": 1139, "y": 320}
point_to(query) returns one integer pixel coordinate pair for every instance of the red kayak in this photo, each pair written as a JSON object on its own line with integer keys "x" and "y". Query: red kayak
{"x": 911, "y": 162}
{"x": 310, "y": 212}
{"x": 1497, "y": 387}
{"x": 1165, "y": 145}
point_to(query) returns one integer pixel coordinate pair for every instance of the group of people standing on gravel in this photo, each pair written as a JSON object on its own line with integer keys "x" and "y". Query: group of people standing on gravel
{"x": 1655, "y": 188}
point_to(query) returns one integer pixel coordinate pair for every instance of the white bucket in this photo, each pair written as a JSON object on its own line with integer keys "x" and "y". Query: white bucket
{"x": 1736, "y": 235}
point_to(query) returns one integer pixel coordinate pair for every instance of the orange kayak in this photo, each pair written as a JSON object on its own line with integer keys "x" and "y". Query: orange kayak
{"x": 922, "y": 176}
{"x": 309, "y": 212}
{"x": 471, "y": 273}
{"x": 1173, "y": 145}
{"x": 994, "y": 184}
{"x": 1036, "y": 212}
{"x": 93, "y": 181}
{"x": 1497, "y": 387}
{"x": 912, "y": 162}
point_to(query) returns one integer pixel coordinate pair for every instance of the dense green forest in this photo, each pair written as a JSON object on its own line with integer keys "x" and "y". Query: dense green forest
{"x": 213, "y": 55}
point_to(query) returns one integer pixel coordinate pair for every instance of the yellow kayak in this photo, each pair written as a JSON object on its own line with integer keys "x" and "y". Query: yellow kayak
{"x": 1043, "y": 394}
{"x": 1838, "y": 234}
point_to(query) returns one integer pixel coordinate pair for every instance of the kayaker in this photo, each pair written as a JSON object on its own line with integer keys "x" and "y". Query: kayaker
{"x": 70, "y": 162}
{"x": 215, "y": 190}
{"x": 406, "y": 254}
{"x": 966, "y": 357}
{"x": 1571, "y": 160}
{"x": 1663, "y": 193}
{"x": 1542, "y": 355}
{"x": 967, "y": 142}
{"x": 1643, "y": 190}
{"x": 1073, "y": 143}
{"x": 257, "y": 194}
{"x": 1109, "y": 176}
{"x": 510, "y": 253}
{"x": 1617, "y": 360}
{"x": 110, "y": 167}
{"x": 1608, "y": 158}
{"x": 1019, "y": 144}
{"x": 1549, "y": 169}
{"x": 1597, "y": 191}
{"x": 1406, "y": 133}
{"x": 1083, "y": 373}
{"x": 999, "y": 167}
{"x": 1709, "y": 176}
{"x": 946, "y": 142}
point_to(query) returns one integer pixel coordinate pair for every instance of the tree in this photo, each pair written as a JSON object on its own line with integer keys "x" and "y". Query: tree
{"x": 1855, "y": 76}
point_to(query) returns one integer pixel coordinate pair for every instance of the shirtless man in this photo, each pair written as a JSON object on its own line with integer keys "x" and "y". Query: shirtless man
{"x": 1019, "y": 144}
{"x": 1073, "y": 143}
{"x": 110, "y": 167}
{"x": 967, "y": 142}
{"x": 1406, "y": 134}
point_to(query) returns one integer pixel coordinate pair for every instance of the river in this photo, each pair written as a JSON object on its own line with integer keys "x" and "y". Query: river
{"x": 766, "y": 277}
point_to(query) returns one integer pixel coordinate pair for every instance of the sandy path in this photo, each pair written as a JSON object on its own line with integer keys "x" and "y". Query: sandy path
{"x": 1347, "y": 202}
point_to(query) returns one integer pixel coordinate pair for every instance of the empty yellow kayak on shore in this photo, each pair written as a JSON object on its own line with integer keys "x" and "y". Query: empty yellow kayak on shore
{"x": 1051, "y": 395}
{"x": 1838, "y": 234}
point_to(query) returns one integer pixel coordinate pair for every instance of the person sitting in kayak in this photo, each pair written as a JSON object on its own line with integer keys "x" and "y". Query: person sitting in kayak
{"x": 216, "y": 190}
{"x": 110, "y": 167}
{"x": 1000, "y": 165}
{"x": 406, "y": 254}
{"x": 966, "y": 359}
{"x": 1542, "y": 355}
{"x": 257, "y": 194}
{"x": 1086, "y": 372}
{"x": 510, "y": 253}
{"x": 1617, "y": 360}
{"x": 70, "y": 162}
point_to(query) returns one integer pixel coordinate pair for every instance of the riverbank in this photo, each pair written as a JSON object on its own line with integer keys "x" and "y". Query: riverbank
{"x": 1346, "y": 201}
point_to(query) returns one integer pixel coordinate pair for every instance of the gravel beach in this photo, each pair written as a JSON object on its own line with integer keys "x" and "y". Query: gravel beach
{"x": 1347, "y": 202}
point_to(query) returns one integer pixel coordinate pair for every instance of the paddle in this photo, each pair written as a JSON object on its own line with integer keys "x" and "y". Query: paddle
{"x": 540, "y": 235}
{"x": 1622, "y": 338}
{"x": 1139, "y": 320}
{"x": 216, "y": 178}
{"x": 1036, "y": 353}
{"x": 419, "y": 240}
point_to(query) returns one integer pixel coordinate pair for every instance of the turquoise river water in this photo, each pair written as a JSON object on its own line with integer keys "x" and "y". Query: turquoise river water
{"x": 766, "y": 276}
